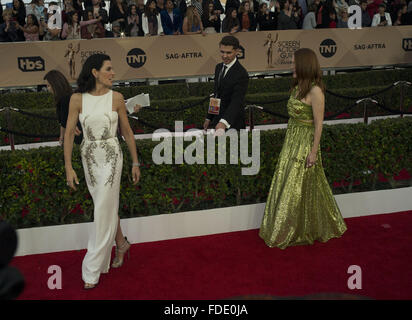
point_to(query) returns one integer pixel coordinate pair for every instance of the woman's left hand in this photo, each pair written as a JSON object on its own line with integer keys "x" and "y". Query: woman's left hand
{"x": 311, "y": 160}
{"x": 136, "y": 174}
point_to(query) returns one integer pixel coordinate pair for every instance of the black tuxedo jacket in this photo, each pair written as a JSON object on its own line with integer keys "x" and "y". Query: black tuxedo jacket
{"x": 231, "y": 91}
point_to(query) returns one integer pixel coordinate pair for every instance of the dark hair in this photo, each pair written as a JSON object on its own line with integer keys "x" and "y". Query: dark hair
{"x": 61, "y": 87}
{"x": 129, "y": 9}
{"x": 147, "y": 11}
{"x": 282, "y": 4}
{"x": 230, "y": 41}
{"x": 70, "y": 17}
{"x": 86, "y": 81}
{"x": 34, "y": 18}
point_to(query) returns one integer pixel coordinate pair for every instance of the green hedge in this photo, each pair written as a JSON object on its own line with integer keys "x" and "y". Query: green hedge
{"x": 365, "y": 79}
{"x": 34, "y": 192}
{"x": 194, "y": 117}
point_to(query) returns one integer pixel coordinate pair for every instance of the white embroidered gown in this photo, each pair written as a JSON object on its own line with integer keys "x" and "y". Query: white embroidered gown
{"x": 102, "y": 160}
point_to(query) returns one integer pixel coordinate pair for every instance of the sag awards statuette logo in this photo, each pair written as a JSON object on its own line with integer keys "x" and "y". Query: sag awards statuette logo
{"x": 328, "y": 48}
{"x": 136, "y": 58}
{"x": 30, "y": 64}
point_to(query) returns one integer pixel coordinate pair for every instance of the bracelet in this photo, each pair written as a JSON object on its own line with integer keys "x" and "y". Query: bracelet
{"x": 136, "y": 164}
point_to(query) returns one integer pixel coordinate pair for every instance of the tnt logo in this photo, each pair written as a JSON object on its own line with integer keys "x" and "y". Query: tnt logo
{"x": 407, "y": 44}
{"x": 136, "y": 58}
{"x": 328, "y": 48}
{"x": 30, "y": 64}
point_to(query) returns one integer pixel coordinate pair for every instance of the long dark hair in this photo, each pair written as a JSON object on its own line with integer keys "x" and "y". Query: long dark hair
{"x": 34, "y": 19}
{"x": 61, "y": 87}
{"x": 86, "y": 81}
{"x": 147, "y": 11}
{"x": 308, "y": 72}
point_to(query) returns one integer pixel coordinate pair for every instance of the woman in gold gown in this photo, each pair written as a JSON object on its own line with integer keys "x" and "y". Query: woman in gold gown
{"x": 300, "y": 207}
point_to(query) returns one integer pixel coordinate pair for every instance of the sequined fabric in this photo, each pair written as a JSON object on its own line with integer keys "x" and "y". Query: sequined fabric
{"x": 300, "y": 207}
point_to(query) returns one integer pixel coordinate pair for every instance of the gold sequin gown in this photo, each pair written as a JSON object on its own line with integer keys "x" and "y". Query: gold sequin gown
{"x": 102, "y": 161}
{"x": 300, "y": 207}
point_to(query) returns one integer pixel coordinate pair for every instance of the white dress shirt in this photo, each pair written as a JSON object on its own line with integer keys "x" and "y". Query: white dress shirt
{"x": 228, "y": 66}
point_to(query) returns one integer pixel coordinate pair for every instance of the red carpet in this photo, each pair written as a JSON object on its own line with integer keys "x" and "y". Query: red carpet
{"x": 239, "y": 264}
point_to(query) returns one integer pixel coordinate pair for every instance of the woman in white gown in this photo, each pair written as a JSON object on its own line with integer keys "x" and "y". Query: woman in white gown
{"x": 99, "y": 110}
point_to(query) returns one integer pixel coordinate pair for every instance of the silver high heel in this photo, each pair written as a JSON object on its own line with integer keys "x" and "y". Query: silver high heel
{"x": 125, "y": 247}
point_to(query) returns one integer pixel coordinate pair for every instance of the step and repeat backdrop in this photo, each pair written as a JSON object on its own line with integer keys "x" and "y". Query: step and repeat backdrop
{"x": 26, "y": 63}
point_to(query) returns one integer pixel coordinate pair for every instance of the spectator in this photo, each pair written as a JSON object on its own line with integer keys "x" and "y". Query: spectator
{"x": 296, "y": 12}
{"x": 98, "y": 8}
{"x": 133, "y": 22}
{"x": 160, "y": 5}
{"x": 182, "y": 6}
{"x": 327, "y": 10}
{"x": 68, "y": 8}
{"x": 19, "y": 11}
{"x": 286, "y": 20}
{"x": 401, "y": 16}
{"x": 192, "y": 23}
{"x": 373, "y": 6}
{"x": 332, "y": 19}
{"x": 231, "y": 23}
{"x": 50, "y": 30}
{"x": 91, "y": 3}
{"x": 232, "y": 4}
{"x": 151, "y": 22}
{"x": 94, "y": 30}
{"x": 117, "y": 31}
{"x": 198, "y": 4}
{"x": 37, "y": 8}
{"x": 118, "y": 12}
{"x": 140, "y": 7}
{"x": 305, "y": 7}
{"x": 71, "y": 29}
{"x": 140, "y": 12}
{"x": 171, "y": 19}
{"x": 309, "y": 22}
{"x": 341, "y": 5}
{"x": 254, "y": 6}
{"x": 366, "y": 18}
{"x": 210, "y": 18}
{"x": 266, "y": 20}
{"x": 343, "y": 19}
{"x": 8, "y": 29}
{"x": 246, "y": 17}
{"x": 218, "y": 7}
{"x": 382, "y": 18}
{"x": 31, "y": 28}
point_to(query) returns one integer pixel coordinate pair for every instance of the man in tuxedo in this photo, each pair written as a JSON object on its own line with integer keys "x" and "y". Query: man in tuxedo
{"x": 231, "y": 83}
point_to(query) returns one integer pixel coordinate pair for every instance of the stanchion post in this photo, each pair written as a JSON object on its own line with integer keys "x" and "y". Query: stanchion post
{"x": 401, "y": 100}
{"x": 251, "y": 120}
{"x": 365, "y": 112}
{"x": 10, "y": 127}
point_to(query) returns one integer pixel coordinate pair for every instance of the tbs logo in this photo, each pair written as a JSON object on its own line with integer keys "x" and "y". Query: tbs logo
{"x": 30, "y": 64}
